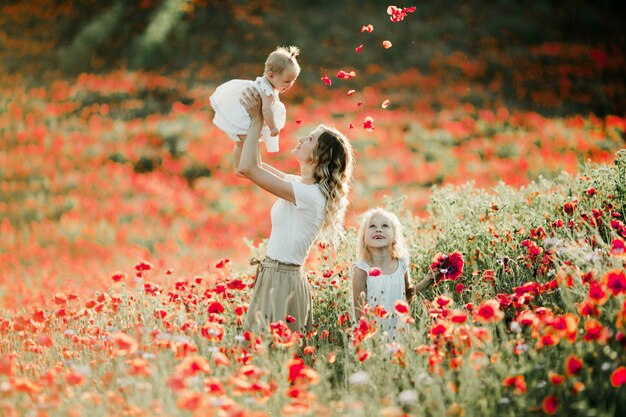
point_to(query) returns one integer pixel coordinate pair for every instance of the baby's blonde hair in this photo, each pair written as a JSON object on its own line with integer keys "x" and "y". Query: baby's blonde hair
{"x": 398, "y": 245}
{"x": 283, "y": 58}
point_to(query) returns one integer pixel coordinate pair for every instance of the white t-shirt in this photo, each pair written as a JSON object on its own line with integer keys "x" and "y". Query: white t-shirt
{"x": 295, "y": 226}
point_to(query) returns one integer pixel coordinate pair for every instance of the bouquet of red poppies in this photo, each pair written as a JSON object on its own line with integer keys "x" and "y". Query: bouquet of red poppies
{"x": 447, "y": 267}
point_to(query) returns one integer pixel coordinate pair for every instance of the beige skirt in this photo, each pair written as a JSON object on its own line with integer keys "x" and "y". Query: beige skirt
{"x": 280, "y": 290}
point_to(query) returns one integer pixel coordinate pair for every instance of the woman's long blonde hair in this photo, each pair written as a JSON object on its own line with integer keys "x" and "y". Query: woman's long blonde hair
{"x": 398, "y": 245}
{"x": 333, "y": 159}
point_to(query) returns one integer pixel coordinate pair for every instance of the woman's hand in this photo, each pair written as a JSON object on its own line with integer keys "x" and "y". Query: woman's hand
{"x": 251, "y": 101}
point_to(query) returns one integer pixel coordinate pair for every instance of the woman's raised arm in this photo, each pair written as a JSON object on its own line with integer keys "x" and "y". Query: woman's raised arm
{"x": 250, "y": 165}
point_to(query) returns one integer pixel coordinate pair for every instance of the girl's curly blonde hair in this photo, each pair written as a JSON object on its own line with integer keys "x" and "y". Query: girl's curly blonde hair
{"x": 398, "y": 245}
{"x": 333, "y": 159}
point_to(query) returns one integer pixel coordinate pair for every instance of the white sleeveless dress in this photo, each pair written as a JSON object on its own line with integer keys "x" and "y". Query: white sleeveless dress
{"x": 385, "y": 290}
{"x": 232, "y": 118}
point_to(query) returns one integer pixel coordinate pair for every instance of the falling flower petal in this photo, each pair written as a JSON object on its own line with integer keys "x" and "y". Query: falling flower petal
{"x": 367, "y": 28}
{"x": 326, "y": 80}
{"x": 368, "y": 123}
{"x": 385, "y": 104}
{"x": 387, "y": 44}
{"x": 359, "y": 49}
{"x": 341, "y": 74}
{"x": 350, "y": 92}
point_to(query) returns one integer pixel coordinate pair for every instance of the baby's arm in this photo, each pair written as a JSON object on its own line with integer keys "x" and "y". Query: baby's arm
{"x": 359, "y": 292}
{"x": 268, "y": 114}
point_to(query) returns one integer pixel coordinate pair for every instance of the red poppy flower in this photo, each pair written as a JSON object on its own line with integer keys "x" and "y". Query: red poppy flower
{"x": 443, "y": 300}
{"x": 236, "y": 284}
{"x": 190, "y": 401}
{"x": 594, "y": 330}
{"x": 215, "y": 307}
{"x": 597, "y": 294}
{"x": 143, "y": 266}
{"x": 362, "y": 355}
{"x": 367, "y": 28}
{"x": 438, "y": 328}
{"x": 489, "y": 311}
{"x": 222, "y": 263}
{"x": 359, "y": 49}
{"x": 326, "y": 80}
{"x": 74, "y": 378}
{"x": 517, "y": 381}
{"x": 550, "y": 404}
{"x": 375, "y": 272}
{"x": 570, "y": 207}
{"x": 618, "y": 247}
{"x": 290, "y": 319}
{"x": 60, "y": 299}
{"x": 458, "y": 316}
{"x": 402, "y": 307}
{"x": 380, "y": 312}
{"x": 618, "y": 377}
{"x": 617, "y": 225}
{"x": 573, "y": 365}
{"x": 192, "y": 365}
{"x": 555, "y": 379}
{"x": 298, "y": 121}
{"x": 448, "y": 267}
{"x": 615, "y": 281}
{"x": 299, "y": 372}
{"x": 160, "y": 314}
{"x": 7, "y": 365}
{"x": 125, "y": 345}
{"x": 117, "y": 277}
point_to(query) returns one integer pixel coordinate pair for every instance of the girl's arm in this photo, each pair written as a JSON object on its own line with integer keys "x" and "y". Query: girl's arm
{"x": 250, "y": 165}
{"x": 359, "y": 292}
{"x": 423, "y": 283}
{"x": 409, "y": 289}
{"x": 268, "y": 114}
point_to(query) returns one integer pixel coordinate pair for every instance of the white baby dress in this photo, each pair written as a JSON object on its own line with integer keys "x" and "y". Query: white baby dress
{"x": 232, "y": 118}
{"x": 385, "y": 290}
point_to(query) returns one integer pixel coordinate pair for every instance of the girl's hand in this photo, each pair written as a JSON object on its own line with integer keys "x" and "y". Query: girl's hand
{"x": 251, "y": 101}
{"x": 274, "y": 132}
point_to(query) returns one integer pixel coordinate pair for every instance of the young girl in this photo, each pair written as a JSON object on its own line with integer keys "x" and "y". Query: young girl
{"x": 381, "y": 275}
{"x": 281, "y": 70}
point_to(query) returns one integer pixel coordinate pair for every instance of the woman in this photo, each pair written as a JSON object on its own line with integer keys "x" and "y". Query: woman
{"x": 309, "y": 206}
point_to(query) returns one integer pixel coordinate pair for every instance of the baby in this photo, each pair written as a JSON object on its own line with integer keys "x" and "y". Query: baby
{"x": 281, "y": 71}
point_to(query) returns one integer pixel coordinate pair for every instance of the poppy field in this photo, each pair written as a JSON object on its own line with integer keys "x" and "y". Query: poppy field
{"x": 126, "y": 237}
